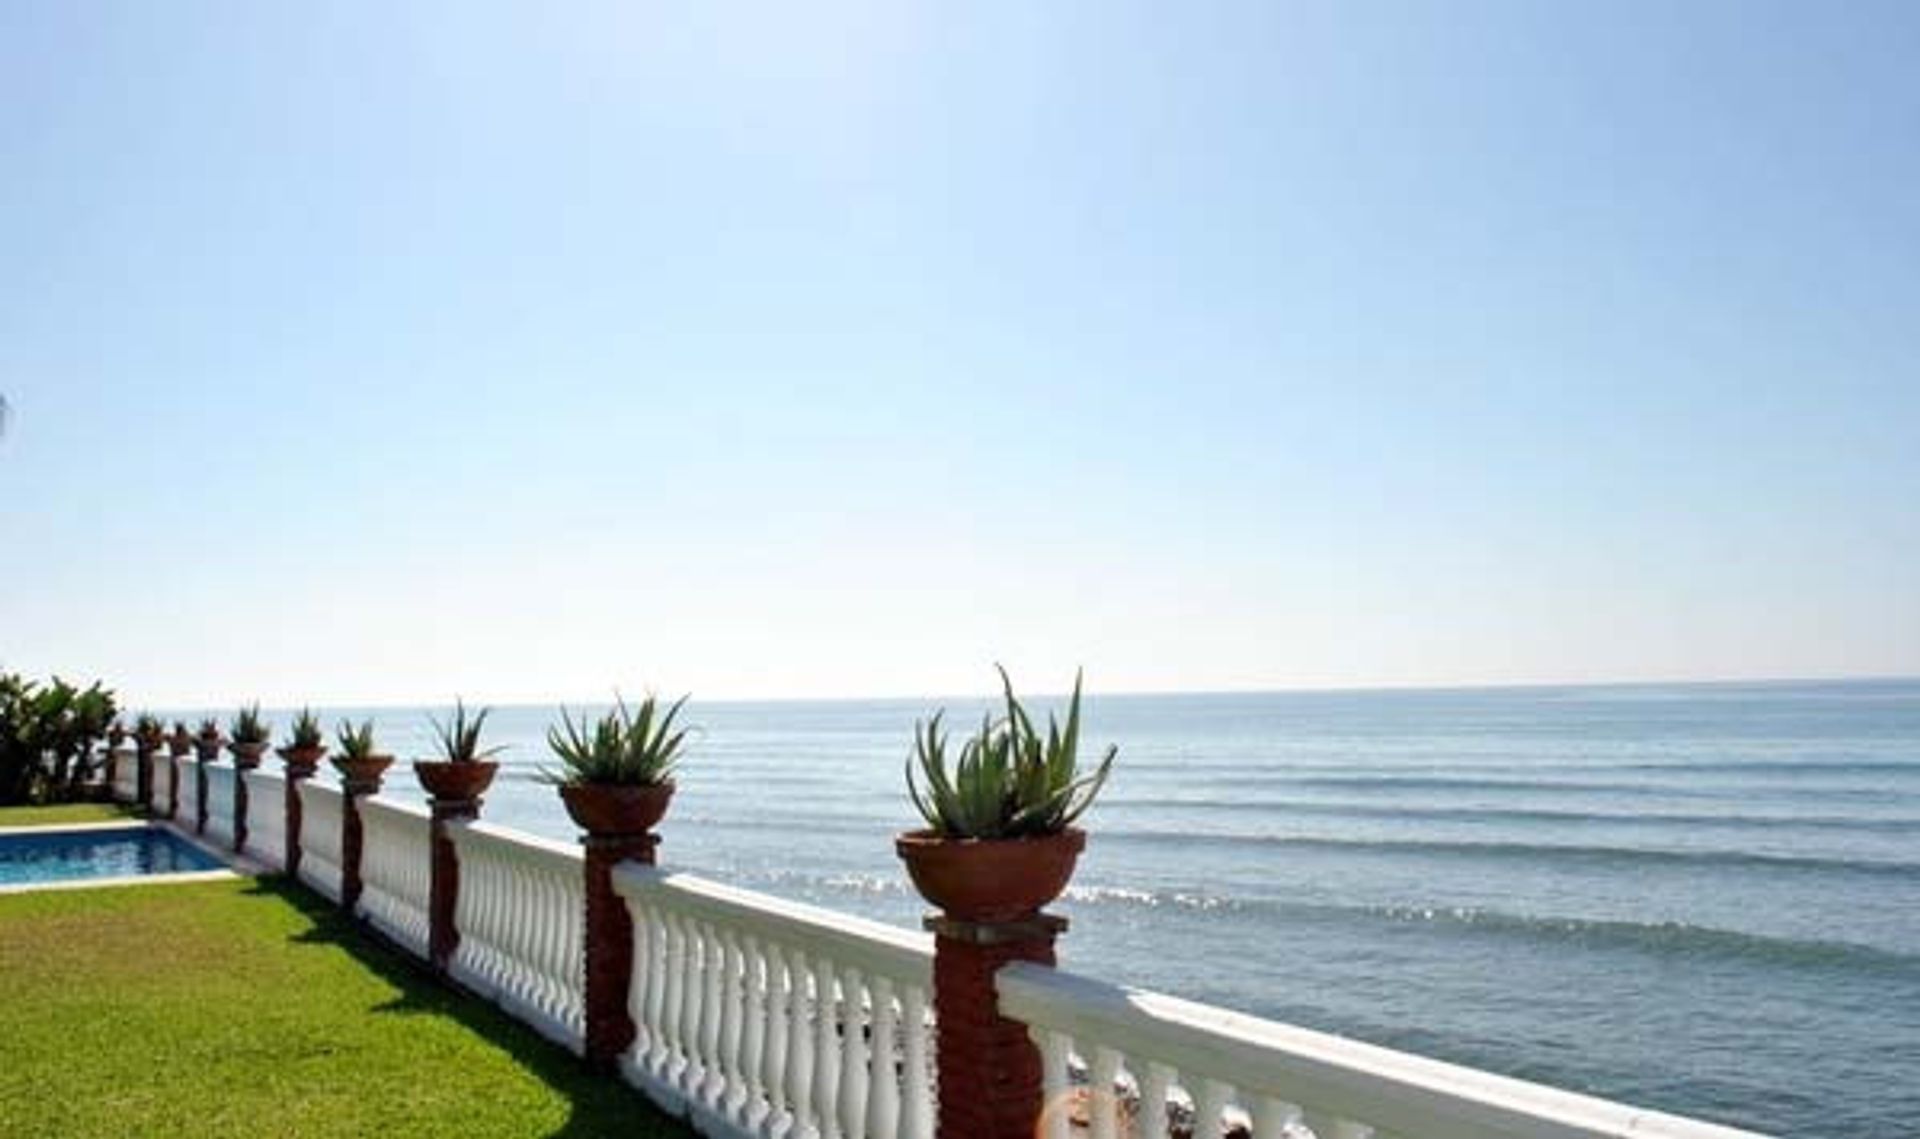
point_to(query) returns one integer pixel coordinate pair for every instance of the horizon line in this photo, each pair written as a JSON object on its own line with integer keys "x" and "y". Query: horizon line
{"x": 1296, "y": 690}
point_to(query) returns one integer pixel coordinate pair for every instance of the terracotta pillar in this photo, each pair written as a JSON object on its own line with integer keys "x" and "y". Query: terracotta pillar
{"x": 352, "y": 836}
{"x": 246, "y": 757}
{"x": 609, "y": 944}
{"x": 173, "y": 785}
{"x": 989, "y": 1069}
{"x": 204, "y": 753}
{"x": 296, "y": 773}
{"x": 443, "y": 891}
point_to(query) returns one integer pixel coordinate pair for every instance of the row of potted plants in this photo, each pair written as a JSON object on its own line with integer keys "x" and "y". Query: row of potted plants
{"x": 999, "y": 840}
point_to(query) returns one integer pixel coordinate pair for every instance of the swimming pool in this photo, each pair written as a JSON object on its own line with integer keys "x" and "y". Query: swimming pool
{"x": 119, "y": 852}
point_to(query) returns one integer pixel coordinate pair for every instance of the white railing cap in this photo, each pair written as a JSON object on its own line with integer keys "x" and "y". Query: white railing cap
{"x": 310, "y": 789}
{"x": 871, "y": 946}
{"x": 1393, "y": 1091}
{"x": 399, "y": 808}
{"x": 510, "y": 843}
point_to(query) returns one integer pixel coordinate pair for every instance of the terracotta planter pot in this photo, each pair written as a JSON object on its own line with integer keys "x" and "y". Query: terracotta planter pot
{"x": 298, "y": 757}
{"x": 206, "y": 750}
{"x": 247, "y": 755}
{"x": 454, "y": 781}
{"x": 178, "y": 747}
{"x": 365, "y": 771}
{"x": 990, "y": 880}
{"x": 599, "y": 808}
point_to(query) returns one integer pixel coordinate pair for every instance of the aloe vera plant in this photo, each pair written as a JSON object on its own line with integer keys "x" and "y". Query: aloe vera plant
{"x": 356, "y": 741}
{"x": 248, "y": 727}
{"x": 460, "y": 735}
{"x": 306, "y": 732}
{"x": 1009, "y": 781}
{"x": 622, "y": 748}
{"x": 147, "y": 728}
{"x": 209, "y": 729}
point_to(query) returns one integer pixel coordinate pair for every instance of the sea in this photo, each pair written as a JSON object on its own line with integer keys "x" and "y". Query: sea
{"x": 1701, "y": 898}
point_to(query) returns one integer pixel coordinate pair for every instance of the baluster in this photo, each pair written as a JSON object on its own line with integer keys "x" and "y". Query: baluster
{"x": 883, "y": 1086}
{"x": 673, "y": 991}
{"x": 773, "y": 1054}
{"x": 637, "y": 984}
{"x": 1208, "y": 1109}
{"x": 712, "y": 1012}
{"x": 753, "y": 1072}
{"x": 656, "y": 988}
{"x": 1103, "y": 1104}
{"x": 1056, "y": 1088}
{"x": 733, "y": 1090}
{"x": 1273, "y": 1118}
{"x": 853, "y": 1056}
{"x": 1153, "y": 1101}
{"x": 826, "y": 1052}
{"x": 695, "y": 966}
{"x": 800, "y": 1043}
{"x": 917, "y": 1087}
{"x": 566, "y": 913}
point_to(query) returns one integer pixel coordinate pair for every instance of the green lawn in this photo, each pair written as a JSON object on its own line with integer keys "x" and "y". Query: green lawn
{"x": 63, "y": 813}
{"x": 251, "y": 1008}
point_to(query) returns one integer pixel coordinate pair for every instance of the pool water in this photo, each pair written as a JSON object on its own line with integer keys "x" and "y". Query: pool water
{"x": 65, "y": 855}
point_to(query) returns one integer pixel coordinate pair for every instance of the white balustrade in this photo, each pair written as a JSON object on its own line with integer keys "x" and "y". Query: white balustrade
{"x": 162, "y": 777}
{"x": 1151, "y": 1058}
{"x": 266, "y": 818}
{"x": 396, "y": 870}
{"x": 521, "y": 913}
{"x": 760, "y": 1017}
{"x": 220, "y": 803}
{"x": 320, "y": 821}
{"x": 189, "y": 807}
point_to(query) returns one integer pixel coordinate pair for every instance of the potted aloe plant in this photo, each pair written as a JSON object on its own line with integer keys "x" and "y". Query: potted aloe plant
{"x": 999, "y": 841}
{"x": 464, "y": 770}
{"x": 616, "y": 772}
{"x": 248, "y": 736}
{"x": 207, "y": 741}
{"x": 148, "y": 733}
{"x": 306, "y": 745}
{"x": 179, "y": 741}
{"x": 359, "y": 764}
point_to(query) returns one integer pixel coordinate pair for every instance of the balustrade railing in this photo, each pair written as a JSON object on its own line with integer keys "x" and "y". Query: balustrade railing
{"x": 1156, "y": 1066}
{"x": 760, "y": 1018}
{"x": 320, "y": 821}
{"x": 521, "y": 913}
{"x": 394, "y": 870}
{"x": 220, "y": 803}
{"x": 763, "y": 1017}
{"x": 266, "y": 818}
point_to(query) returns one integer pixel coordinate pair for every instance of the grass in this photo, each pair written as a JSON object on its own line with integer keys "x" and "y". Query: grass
{"x": 63, "y": 813}
{"x": 251, "y": 1008}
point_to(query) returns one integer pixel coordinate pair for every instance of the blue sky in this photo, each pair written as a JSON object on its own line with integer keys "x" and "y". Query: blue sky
{"x": 377, "y": 353}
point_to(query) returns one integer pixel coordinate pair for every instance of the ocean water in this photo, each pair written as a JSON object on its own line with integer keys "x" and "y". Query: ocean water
{"x": 1699, "y": 898}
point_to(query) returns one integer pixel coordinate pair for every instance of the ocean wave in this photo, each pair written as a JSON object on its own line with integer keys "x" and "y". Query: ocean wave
{"x": 1662, "y": 938}
{"x": 1667, "y": 937}
{"x": 1563, "y": 852}
{"x": 1511, "y": 814}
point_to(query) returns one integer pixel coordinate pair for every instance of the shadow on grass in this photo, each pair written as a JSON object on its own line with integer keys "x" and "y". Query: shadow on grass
{"x": 598, "y": 1105}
